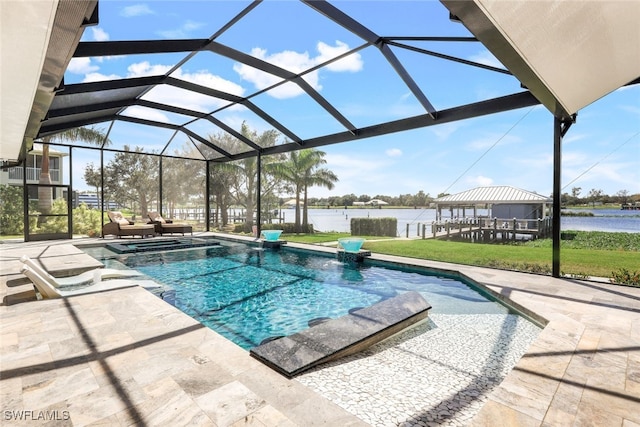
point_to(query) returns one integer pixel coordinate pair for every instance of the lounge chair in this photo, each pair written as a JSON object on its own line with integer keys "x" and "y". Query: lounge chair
{"x": 120, "y": 226}
{"x": 88, "y": 277}
{"x": 47, "y": 291}
{"x": 163, "y": 225}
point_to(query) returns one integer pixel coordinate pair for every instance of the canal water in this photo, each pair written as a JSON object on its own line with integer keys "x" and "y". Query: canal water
{"x": 332, "y": 219}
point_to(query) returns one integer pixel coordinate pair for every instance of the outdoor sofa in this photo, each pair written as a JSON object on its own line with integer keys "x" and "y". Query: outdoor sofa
{"x": 164, "y": 226}
{"x": 120, "y": 226}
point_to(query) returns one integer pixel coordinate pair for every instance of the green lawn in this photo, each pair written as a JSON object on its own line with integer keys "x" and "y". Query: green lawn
{"x": 588, "y": 254}
{"x": 585, "y": 262}
{"x": 322, "y": 237}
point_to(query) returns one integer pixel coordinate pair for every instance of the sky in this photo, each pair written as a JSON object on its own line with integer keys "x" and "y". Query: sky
{"x": 601, "y": 150}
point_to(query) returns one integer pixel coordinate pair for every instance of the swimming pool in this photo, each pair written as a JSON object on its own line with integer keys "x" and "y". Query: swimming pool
{"x": 248, "y": 295}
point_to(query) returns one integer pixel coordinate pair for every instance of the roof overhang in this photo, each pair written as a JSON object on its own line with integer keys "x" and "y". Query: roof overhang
{"x": 38, "y": 41}
{"x": 567, "y": 53}
{"x": 499, "y": 194}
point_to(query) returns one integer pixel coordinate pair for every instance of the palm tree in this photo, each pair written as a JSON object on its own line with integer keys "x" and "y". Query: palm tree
{"x": 302, "y": 169}
{"x": 90, "y": 135}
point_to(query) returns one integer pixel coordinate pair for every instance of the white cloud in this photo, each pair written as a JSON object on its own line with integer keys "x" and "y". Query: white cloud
{"x": 99, "y": 77}
{"x": 146, "y": 113}
{"x": 633, "y": 109}
{"x": 184, "y": 98}
{"x": 136, "y": 10}
{"x": 393, "y": 152}
{"x": 182, "y": 32}
{"x": 81, "y": 66}
{"x": 479, "y": 181}
{"x": 483, "y": 143}
{"x": 442, "y": 132}
{"x": 289, "y": 60}
{"x": 571, "y": 138}
{"x": 575, "y": 158}
{"x": 164, "y": 93}
{"x": 351, "y": 63}
{"x": 347, "y": 167}
{"x": 614, "y": 175}
{"x": 142, "y": 69}
{"x": 204, "y": 78}
{"x": 485, "y": 57}
{"x": 355, "y": 174}
{"x": 297, "y": 62}
{"x": 192, "y": 25}
{"x": 99, "y": 34}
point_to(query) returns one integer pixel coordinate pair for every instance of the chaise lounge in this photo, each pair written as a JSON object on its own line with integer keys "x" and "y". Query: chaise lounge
{"x": 47, "y": 291}
{"x": 88, "y": 277}
{"x": 120, "y": 226}
{"x": 163, "y": 226}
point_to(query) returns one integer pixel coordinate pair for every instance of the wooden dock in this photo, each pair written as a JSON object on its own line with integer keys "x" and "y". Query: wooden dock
{"x": 487, "y": 229}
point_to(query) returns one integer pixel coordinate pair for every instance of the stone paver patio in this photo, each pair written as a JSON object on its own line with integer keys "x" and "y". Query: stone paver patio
{"x": 125, "y": 357}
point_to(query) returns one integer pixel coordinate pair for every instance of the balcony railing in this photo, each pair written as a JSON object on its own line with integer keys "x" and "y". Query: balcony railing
{"x": 33, "y": 174}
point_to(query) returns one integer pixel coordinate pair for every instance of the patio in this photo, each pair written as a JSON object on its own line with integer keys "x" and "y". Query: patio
{"x": 126, "y": 357}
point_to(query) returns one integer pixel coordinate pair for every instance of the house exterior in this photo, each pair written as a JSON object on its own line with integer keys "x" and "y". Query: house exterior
{"x": 33, "y": 163}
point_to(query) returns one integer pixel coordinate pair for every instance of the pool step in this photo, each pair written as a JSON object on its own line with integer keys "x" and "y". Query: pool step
{"x": 160, "y": 245}
{"x": 343, "y": 336}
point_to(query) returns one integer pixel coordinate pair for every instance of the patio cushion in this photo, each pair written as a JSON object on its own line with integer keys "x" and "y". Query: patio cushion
{"x": 116, "y": 216}
{"x": 156, "y": 217}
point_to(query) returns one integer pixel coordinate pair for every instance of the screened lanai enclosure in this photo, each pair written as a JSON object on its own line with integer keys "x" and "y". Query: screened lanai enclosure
{"x": 206, "y": 146}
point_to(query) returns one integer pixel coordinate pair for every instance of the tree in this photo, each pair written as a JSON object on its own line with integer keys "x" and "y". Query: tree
{"x": 11, "y": 210}
{"x": 220, "y": 180}
{"x": 133, "y": 177}
{"x": 594, "y": 196}
{"x": 421, "y": 199}
{"x": 183, "y": 180}
{"x": 574, "y": 199}
{"x": 623, "y": 196}
{"x": 348, "y": 199}
{"x": 575, "y": 191}
{"x": 302, "y": 169}
{"x": 222, "y": 176}
{"x": 93, "y": 177}
{"x": 239, "y": 180}
{"x": 87, "y": 134}
{"x": 404, "y": 200}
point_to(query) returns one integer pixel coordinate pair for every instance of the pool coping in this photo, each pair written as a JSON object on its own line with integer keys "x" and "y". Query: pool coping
{"x": 343, "y": 336}
{"x": 583, "y": 368}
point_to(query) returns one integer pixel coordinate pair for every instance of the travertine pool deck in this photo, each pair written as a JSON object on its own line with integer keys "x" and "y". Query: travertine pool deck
{"x": 125, "y": 357}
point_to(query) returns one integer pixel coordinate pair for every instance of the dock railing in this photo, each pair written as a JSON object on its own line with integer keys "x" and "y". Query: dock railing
{"x": 490, "y": 229}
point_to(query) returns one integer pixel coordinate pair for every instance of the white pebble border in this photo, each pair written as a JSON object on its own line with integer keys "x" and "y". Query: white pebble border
{"x": 436, "y": 374}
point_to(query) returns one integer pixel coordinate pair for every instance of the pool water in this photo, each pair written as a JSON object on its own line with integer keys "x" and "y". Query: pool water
{"x": 248, "y": 294}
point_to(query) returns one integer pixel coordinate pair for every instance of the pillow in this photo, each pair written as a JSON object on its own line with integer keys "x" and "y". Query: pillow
{"x": 155, "y": 217}
{"x": 117, "y": 217}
